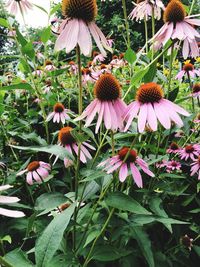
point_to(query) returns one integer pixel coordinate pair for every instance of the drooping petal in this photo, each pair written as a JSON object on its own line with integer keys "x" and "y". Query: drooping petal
{"x": 142, "y": 118}
{"x": 11, "y": 213}
{"x": 123, "y": 172}
{"x": 136, "y": 175}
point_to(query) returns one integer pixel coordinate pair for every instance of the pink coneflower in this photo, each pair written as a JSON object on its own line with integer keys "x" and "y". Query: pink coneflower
{"x": 117, "y": 162}
{"x": 145, "y": 8}
{"x": 73, "y": 68}
{"x": 49, "y": 66}
{"x": 107, "y": 104}
{"x": 39, "y": 55}
{"x": 97, "y": 58}
{"x": 173, "y": 165}
{"x": 14, "y": 6}
{"x": 187, "y": 242}
{"x": 88, "y": 76}
{"x": 2, "y": 165}
{"x": 195, "y": 169}
{"x": 38, "y": 73}
{"x": 37, "y": 171}
{"x": 66, "y": 140}
{"x": 78, "y": 26}
{"x": 196, "y": 89}
{"x": 9, "y": 200}
{"x": 173, "y": 148}
{"x": 59, "y": 114}
{"x": 12, "y": 33}
{"x": 189, "y": 70}
{"x": 151, "y": 107}
{"x": 190, "y": 152}
{"x": 197, "y": 119}
{"x": 178, "y": 27}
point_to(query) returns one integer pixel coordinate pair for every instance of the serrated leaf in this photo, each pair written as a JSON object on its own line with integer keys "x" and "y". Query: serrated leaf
{"x": 144, "y": 243}
{"x": 19, "y": 86}
{"x": 49, "y": 241}
{"x": 45, "y": 34}
{"x": 138, "y": 76}
{"x": 56, "y": 150}
{"x": 122, "y": 201}
{"x": 4, "y": 23}
{"x": 17, "y": 258}
{"x": 130, "y": 56}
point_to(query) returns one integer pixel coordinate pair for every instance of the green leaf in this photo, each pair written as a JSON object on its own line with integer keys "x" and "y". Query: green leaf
{"x": 49, "y": 241}
{"x": 28, "y": 50}
{"x": 156, "y": 207}
{"x": 20, "y": 37}
{"x": 173, "y": 94}
{"x": 91, "y": 236}
{"x": 130, "y": 56}
{"x": 2, "y": 94}
{"x": 122, "y": 201}
{"x": 7, "y": 238}
{"x": 138, "y": 76}
{"x": 55, "y": 9}
{"x": 144, "y": 244}
{"x": 4, "y": 23}
{"x": 45, "y": 34}
{"x": 109, "y": 253}
{"x": 49, "y": 201}
{"x": 41, "y": 8}
{"x": 56, "y": 150}
{"x": 17, "y": 258}
{"x": 19, "y": 86}
{"x": 149, "y": 76}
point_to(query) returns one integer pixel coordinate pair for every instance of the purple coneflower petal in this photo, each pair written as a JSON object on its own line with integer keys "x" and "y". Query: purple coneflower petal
{"x": 151, "y": 117}
{"x": 123, "y": 172}
{"x": 11, "y": 213}
{"x": 142, "y": 117}
{"x": 162, "y": 115}
{"x": 136, "y": 175}
{"x": 84, "y": 39}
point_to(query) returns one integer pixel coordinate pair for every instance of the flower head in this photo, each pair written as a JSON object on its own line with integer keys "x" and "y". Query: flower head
{"x": 190, "y": 152}
{"x": 178, "y": 27}
{"x": 14, "y": 6}
{"x": 196, "y": 89}
{"x": 67, "y": 140}
{"x": 107, "y": 104}
{"x": 78, "y": 26}
{"x": 145, "y": 8}
{"x": 37, "y": 171}
{"x": 187, "y": 241}
{"x": 151, "y": 106}
{"x": 189, "y": 70}
{"x": 125, "y": 159}
{"x": 195, "y": 167}
{"x": 173, "y": 148}
{"x": 8, "y": 200}
{"x": 59, "y": 114}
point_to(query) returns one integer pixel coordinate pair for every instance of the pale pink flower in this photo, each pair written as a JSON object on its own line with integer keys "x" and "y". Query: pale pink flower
{"x": 178, "y": 27}
{"x": 190, "y": 152}
{"x": 123, "y": 161}
{"x": 197, "y": 120}
{"x": 2, "y": 165}
{"x": 37, "y": 171}
{"x": 14, "y": 6}
{"x": 59, "y": 114}
{"x": 173, "y": 148}
{"x": 195, "y": 167}
{"x": 173, "y": 165}
{"x": 8, "y": 200}
{"x": 196, "y": 89}
{"x": 49, "y": 66}
{"x": 144, "y": 9}
{"x": 107, "y": 104}
{"x": 73, "y": 68}
{"x": 39, "y": 55}
{"x": 66, "y": 140}
{"x": 78, "y": 27}
{"x": 88, "y": 76}
{"x": 12, "y": 33}
{"x": 98, "y": 58}
{"x": 189, "y": 70}
{"x": 150, "y": 106}
{"x": 37, "y": 73}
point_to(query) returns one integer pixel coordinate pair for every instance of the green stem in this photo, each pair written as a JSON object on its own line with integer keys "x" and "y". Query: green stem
{"x": 126, "y": 23}
{"x": 153, "y": 27}
{"x": 97, "y": 238}
{"x": 191, "y": 7}
{"x": 191, "y": 86}
{"x": 112, "y": 143}
{"x": 5, "y": 263}
{"x": 2, "y": 248}
{"x": 94, "y": 210}
{"x": 146, "y": 34}
{"x": 170, "y": 70}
